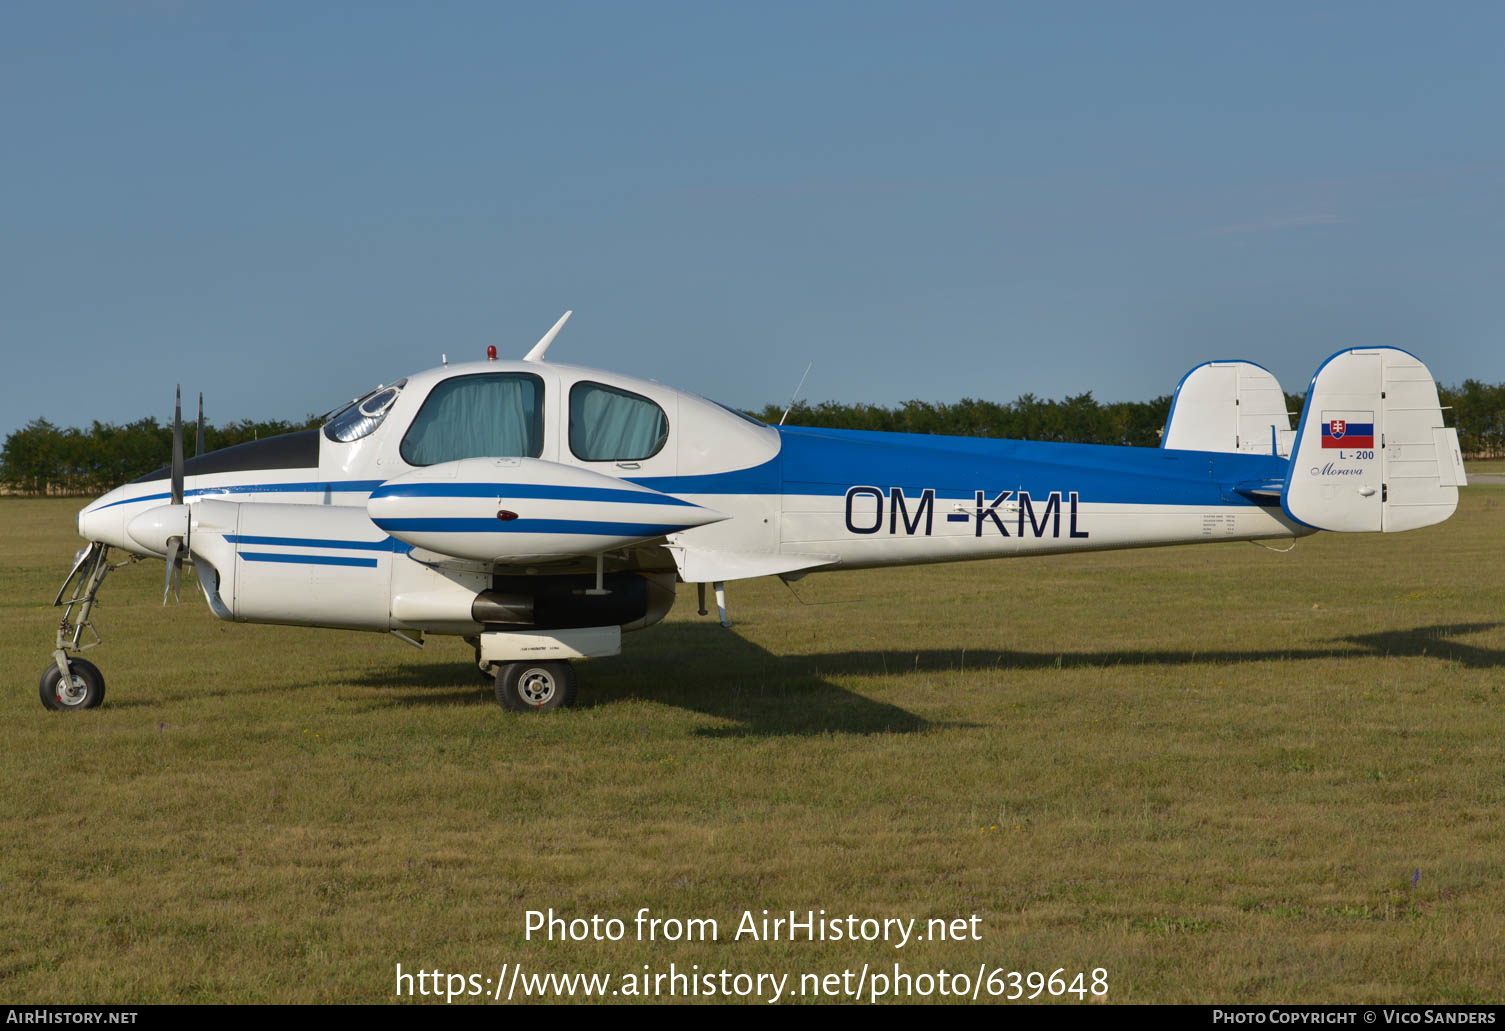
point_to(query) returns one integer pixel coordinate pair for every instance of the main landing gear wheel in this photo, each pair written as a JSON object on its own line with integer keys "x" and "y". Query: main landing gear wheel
{"x": 534, "y": 686}
{"x": 86, "y": 690}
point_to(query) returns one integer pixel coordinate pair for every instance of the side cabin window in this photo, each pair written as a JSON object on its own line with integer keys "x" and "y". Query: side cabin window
{"x": 612, "y": 425}
{"x": 491, "y": 415}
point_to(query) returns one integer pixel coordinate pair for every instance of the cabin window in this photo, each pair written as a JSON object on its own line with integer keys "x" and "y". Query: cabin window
{"x": 611, "y": 425}
{"x": 492, "y": 415}
{"x": 359, "y": 418}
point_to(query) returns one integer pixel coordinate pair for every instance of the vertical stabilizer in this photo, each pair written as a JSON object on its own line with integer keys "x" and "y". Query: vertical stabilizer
{"x": 1230, "y": 406}
{"x": 1372, "y": 453}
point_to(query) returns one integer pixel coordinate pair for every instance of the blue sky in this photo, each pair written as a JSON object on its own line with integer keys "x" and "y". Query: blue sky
{"x": 284, "y": 204}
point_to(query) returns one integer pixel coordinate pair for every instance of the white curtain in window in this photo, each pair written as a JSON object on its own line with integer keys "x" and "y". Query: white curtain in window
{"x": 614, "y": 426}
{"x": 488, "y": 416}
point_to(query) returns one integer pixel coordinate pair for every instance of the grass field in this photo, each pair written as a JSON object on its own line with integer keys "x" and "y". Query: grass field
{"x": 1218, "y": 772}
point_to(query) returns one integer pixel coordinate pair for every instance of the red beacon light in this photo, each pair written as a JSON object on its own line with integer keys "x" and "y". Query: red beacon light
{"x": 491, "y": 353}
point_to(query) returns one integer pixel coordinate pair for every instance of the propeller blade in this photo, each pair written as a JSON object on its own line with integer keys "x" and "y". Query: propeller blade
{"x": 198, "y": 436}
{"x": 177, "y": 449}
{"x": 174, "y": 568}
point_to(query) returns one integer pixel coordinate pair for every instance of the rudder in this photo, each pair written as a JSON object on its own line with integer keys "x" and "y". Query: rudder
{"x": 1372, "y": 453}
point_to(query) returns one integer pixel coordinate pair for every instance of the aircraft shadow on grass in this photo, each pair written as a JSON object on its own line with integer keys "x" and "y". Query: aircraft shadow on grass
{"x": 1437, "y": 642}
{"x": 701, "y": 667}
{"x": 697, "y": 666}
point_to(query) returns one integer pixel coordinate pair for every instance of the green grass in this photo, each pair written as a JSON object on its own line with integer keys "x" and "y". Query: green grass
{"x": 1221, "y": 773}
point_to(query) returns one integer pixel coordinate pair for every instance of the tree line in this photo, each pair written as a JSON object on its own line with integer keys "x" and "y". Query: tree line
{"x": 41, "y": 458}
{"x": 1079, "y": 419}
{"x": 1477, "y": 410}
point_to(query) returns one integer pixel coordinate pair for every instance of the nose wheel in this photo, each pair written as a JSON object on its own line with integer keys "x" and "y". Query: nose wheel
{"x": 83, "y": 689}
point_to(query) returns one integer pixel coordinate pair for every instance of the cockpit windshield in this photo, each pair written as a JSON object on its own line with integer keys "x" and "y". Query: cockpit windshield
{"x": 361, "y": 416}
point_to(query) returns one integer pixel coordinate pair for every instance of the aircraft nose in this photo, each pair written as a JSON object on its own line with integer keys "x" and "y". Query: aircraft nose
{"x": 104, "y": 523}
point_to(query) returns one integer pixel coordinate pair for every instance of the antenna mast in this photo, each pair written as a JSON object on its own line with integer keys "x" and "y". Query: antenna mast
{"x": 796, "y": 393}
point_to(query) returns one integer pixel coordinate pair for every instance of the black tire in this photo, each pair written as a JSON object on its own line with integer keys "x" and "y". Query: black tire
{"x": 535, "y": 686}
{"x": 88, "y": 690}
{"x": 93, "y": 670}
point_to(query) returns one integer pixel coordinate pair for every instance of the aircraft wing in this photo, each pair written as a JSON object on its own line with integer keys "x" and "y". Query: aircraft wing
{"x": 705, "y": 565}
{"x": 525, "y": 511}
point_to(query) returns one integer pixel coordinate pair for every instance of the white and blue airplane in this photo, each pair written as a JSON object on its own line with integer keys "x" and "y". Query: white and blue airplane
{"x": 540, "y": 510}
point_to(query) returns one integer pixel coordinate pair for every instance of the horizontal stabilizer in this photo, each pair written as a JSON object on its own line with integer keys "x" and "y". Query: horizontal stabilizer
{"x": 1232, "y": 406}
{"x": 1259, "y": 490}
{"x": 1372, "y": 453}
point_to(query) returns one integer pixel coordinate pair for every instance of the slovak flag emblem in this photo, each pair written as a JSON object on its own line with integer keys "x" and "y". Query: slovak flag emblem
{"x": 1348, "y": 429}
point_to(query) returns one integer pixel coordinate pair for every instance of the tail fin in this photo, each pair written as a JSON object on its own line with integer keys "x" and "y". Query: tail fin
{"x": 1229, "y": 406}
{"x": 1372, "y": 452}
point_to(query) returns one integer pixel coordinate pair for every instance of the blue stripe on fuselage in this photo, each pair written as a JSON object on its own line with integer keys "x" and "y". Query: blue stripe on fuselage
{"x": 541, "y": 491}
{"x": 333, "y": 486}
{"x": 386, "y": 544}
{"x": 583, "y": 527}
{"x": 829, "y": 462}
{"x": 308, "y": 560}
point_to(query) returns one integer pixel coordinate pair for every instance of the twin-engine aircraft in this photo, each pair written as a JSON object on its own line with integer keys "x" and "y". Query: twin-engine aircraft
{"x": 539, "y": 510}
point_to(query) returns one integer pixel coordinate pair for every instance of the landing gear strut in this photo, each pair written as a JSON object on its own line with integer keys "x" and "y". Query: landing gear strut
{"x": 74, "y": 683}
{"x": 720, "y": 586}
{"x": 487, "y": 669}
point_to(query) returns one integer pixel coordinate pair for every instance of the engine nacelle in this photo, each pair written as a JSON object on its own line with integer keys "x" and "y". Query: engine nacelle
{"x": 304, "y": 565}
{"x": 328, "y": 565}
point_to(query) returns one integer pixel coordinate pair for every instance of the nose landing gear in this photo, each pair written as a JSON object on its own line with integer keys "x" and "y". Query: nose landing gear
{"x": 75, "y": 683}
